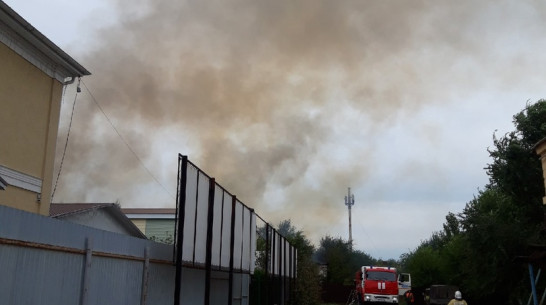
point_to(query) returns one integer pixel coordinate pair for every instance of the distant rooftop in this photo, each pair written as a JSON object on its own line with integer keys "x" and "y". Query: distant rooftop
{"x": 148, "y": 211}
{"x": 69, "y": 210}
{"x": 58, "y": 209}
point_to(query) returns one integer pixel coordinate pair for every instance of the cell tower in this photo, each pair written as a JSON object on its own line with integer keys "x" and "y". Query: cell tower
{"x": 349, "y": 202}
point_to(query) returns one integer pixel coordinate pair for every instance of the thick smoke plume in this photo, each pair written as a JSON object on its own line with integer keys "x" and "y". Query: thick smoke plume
{"x": 259, "y": 94}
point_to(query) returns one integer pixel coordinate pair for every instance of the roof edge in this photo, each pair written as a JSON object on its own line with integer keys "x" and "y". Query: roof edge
{"x": 26, "y": 32}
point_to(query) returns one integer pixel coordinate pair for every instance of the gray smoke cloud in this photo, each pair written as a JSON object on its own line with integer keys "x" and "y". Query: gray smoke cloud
{"x": 259, "y": 94}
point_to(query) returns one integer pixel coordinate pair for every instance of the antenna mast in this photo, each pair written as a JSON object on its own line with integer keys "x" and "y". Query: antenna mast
{"x": 350, "y": 201}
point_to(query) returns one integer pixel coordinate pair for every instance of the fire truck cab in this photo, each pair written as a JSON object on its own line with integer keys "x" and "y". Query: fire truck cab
{"x": 376, "y": 285}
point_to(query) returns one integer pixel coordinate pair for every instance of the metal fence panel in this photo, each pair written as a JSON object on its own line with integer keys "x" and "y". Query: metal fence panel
{"x": 237, "y": 289}
{"x": 246, "y": 240}
{"x": 34, "y": 276}
{"x": 276, "y": 253}
{"x": 281, "y": 256}
{"x": 189, "y": 222}
{"x": 224, "y": 236}
{"x": 201, "y": 220}
{"x": 226, "y": 231}
{"x": 48, "y": 261}
{"x": 252, "y": 243}
{"x": 193, "y": 288}
{"x": 217, "y": 226}
{"x": 219, "y": 288}
{"x": 237, "y": 252}
{"x": 286, "y": 258}
{"x": 245, "y": 289}
{"x": 271, "y": 251}
{"x": 29, "y": 227}
{"x": 118, "y": 281}
{"x": 160, "y": 284}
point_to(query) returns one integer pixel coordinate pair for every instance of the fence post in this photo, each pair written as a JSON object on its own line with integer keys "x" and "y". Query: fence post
{"x": 283, "y": 271}
{"x": 180, "y": 216}
{"x": 231, "y": 250}
{"x": 145, "y": 273}
{"x": 208, "y": 259}
{"x": 267, "y": 261}
{"x": 290, "y": 289}
{"x": 241, "y": 277}
{"x": 86, "y": 271}
{"x": 274, "y": 263}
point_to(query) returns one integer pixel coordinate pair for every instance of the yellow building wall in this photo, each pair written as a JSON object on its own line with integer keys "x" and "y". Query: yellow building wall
{"x": 30, "y": 104}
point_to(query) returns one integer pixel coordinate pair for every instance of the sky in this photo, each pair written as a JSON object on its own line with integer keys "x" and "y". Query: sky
{"x": 289, "y": 103}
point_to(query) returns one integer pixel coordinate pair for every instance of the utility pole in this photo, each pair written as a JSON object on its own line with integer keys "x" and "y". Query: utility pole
{"x": 350, "y": 201}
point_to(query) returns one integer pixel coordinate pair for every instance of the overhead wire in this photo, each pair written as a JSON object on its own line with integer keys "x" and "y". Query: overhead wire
{"x": 67, "y": 136}
{"x": 124, "y": 141}
{"x": 371, "y": 241}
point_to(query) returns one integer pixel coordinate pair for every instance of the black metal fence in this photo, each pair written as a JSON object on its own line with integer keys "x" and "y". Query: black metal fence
{"x": 275, "y": 280}
{"x": 215, "y": 232}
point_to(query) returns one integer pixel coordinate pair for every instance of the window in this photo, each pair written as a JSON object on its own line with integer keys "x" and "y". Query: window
{"x": 381, "y": 276}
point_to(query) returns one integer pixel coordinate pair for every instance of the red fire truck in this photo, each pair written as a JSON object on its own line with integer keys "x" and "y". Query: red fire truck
{"x": 376, "y": 284}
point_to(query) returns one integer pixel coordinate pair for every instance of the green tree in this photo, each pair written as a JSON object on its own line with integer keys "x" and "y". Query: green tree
{"x": 424, "y": 264}
{"x": 508, "y": 215}
{"x": 515, "y": 170}
{"x": 452, "y": 226}
{"x": 341, "y": 260}
{"x": 477, "y": 248}
{"x": 496, "y": 231}
{"x": 335, "y": 253}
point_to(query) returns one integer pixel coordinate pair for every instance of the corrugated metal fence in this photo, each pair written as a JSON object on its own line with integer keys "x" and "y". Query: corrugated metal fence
{"x": 50, "y": 261}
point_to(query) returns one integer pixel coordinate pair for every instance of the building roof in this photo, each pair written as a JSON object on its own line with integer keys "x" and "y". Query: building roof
{"x": 61, "y": 210}
{"x": 27, "y": 41}
{"x": 148, "y": 211}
